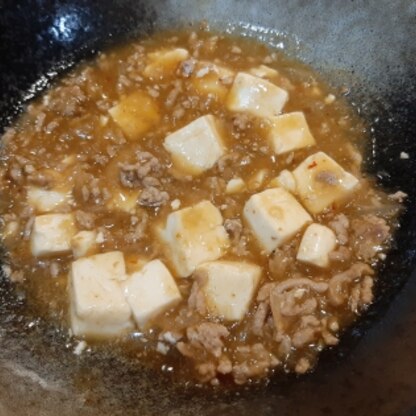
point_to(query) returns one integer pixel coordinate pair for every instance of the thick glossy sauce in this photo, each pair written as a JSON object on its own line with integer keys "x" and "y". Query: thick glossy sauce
{"x": 69, "y": 137}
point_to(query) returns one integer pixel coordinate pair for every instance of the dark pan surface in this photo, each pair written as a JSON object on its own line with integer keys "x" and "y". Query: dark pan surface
{"x": 367, "y": 44}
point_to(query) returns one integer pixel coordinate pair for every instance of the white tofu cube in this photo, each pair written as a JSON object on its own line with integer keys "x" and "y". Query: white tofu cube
{"x": 290, "y": 132}
{"x": 194, "y": 235}
{"x": 275, "y": 216}
{"x": 263, "y": 71}
{"x": 285, "y": 180}
{"x": 83, "y": 243}
{"x": 43, "y": 200}
{"x": 256, "y": 96}
{"x": 235, "y": 185}
{"x": 52, "y": 234}
{"x": 321, "y": 182}
{"x": 197, "y": 146}
{"x": 135, "y": 114}
{"x": 164, "y": 62}
{"x": 317, "y": 242}
{"x": 98, "y": 305}
{"x": 150, "y": 292}
{"x": 228, "y": 287}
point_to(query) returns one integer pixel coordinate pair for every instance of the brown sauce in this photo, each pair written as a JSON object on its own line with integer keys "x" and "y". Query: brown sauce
{"x": 68, "y": 141}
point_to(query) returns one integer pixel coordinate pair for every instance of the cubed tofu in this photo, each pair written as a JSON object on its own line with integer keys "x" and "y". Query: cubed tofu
{"x": 194, "y": 235}
{"x": 256, "y": 96}
{"x": 84, "y": 243}
{"x": 263, "y": 71}
{"x": 322, "y": 182}
{"x": 196, "y": 147}
{"x": 286, "y": 180}
{"x": 150, "y": 292}
{"x": 289, "y": 132}
{"x": 275, "y": 216}
{"x": 124, "y": 200}
{"x": 43, "y": 200}
{"x": 98, "y": 306}
{"x": 228, "y": 287}
{"x": 135, "y": 114}
{"x": 52, "y": 234}
{"x": 164, "y": 62}
{"x": 235, "y": 185}
{"x": 209, "y": 78}
{"x": 317, "y": 242}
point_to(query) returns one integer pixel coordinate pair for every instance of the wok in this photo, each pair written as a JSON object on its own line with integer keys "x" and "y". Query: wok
{"x": 368, "y": 45}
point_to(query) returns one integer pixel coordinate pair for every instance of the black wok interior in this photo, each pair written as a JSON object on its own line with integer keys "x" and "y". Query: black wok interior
{"x": 369, "y": 45}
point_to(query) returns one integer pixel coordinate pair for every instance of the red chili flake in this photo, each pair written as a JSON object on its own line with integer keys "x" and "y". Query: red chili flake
{"x": 312, "y": 165}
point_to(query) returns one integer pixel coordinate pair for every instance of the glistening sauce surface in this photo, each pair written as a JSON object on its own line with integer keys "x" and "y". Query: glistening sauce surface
{"x": 110, "y": 170}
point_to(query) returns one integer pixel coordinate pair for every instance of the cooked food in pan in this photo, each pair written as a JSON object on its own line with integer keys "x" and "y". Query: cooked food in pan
{"x": 199, "y": 199}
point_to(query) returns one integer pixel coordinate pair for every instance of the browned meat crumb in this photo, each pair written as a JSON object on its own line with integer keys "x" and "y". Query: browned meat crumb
{"x": 153, "y": 197}
{"x": 338, "y": 285}
{"x": 341, "y": 254}
{"x": 398, "y": 196}
{"x": 132, "y": 175}
{"x": 85, "y": 219}
{"x": 340, "y": 225}
{"x": 138, "y": 229}
{"x": 302, "y": 366}
{"x": 254, "y": 361}
{"x": 369, "y": 235}
{"x": 67, "y": 101}
{"x": 206, "y": 336}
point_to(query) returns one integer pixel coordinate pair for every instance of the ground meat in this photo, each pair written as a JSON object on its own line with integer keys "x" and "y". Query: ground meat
{"x": 174, "y": 93}
{"x": 340, "y": 225}
{"x": 259, "y": 318}
{"x": 15, "y": 173}
{"x": 241, "y": 121}
{"x": 338, "y": 292}
{"x": 153, "y": 197}
{"x": 132, "y": 175}
{"x": 254, "y": 361}
{"x": 67, "y": 101}
{"x": 196, "y": 300}
{"x": 302, "y": 366}
{"x": 85, "y": 219}
{"x": 187, "y": 68}
{"x": 138, "y": 229}
{"x": 234, "y": 228}
{"x": 207, "y": 336}
{"x": 398, "y": 196}
{"x": 342, "y": 254}
{"x": 292, "y": 298}
{"x": 369, "y": 234}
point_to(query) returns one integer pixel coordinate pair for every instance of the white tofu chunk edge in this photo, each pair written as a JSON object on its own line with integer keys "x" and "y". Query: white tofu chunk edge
{"x": 98, "y": 305}
{"x": 316, "y": 244}
{"x": 275, "y": 216}
{"x": 228, "y": 287}
{"x": 52, "y": 234}
{"x": 197, "y": 146}
{"x": 150, "y": 292}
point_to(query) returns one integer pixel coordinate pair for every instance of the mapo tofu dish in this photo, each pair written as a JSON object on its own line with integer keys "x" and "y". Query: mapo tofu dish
{"x": 200, "y": 199}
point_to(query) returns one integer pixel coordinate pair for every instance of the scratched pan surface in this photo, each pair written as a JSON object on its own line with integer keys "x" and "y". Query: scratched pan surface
{"x": 370, "y": 45}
